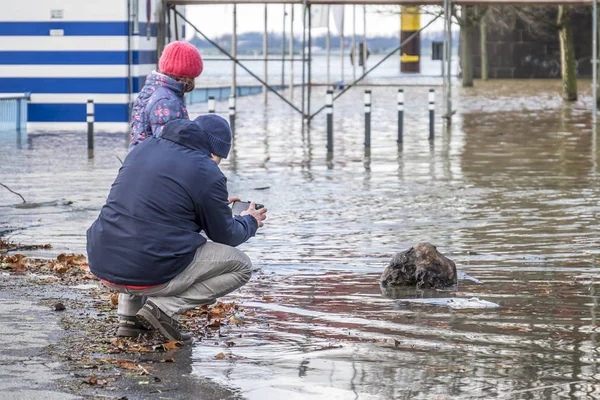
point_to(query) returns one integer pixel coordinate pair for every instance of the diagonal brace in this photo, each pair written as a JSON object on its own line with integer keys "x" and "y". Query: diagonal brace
{"x": 377, "y": 65}
{"x": 234, "y": 59}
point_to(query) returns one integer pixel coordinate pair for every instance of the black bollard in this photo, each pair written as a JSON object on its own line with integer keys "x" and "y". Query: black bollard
{"x": 232, "y": 114}
{"x": 431, "y": 113}
{"x": 367, "y": 118}
{"x": 211, "y": 105}
{"x": 400, "y": 115}
{"x": 90, "y": 124}
{"x": 329, "y": 109}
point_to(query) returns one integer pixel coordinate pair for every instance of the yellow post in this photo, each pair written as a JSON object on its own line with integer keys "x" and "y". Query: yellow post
{"x": 410, "y": 54}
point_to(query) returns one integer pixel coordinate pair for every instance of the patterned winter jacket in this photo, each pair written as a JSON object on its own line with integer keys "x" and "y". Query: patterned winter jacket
{"x": 160, "y": 101}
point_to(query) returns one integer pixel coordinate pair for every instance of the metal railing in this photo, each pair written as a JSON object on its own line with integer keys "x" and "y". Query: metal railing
{"x": 13, "y": 112}
{"x": 201, "y": 95}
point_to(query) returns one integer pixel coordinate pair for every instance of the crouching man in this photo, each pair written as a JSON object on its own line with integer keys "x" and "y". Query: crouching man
{"x": 146, "y": 243}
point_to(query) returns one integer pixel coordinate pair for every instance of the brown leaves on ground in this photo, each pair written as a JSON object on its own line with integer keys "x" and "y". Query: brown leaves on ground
{"x": 94, "y": 381}
{"x": 6, "y": 247}
{"x": 203, "y": 323}
{"x": 16, "y": 263}
{"x": 69, "y": 267}
{"x": 211, "y": 317}
{"x": 149, "y": 345}
{"x": 66, "y": 262}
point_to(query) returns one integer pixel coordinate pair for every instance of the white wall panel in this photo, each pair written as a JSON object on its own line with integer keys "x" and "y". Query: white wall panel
{"x": 73, "y": 10}
{"x": 49, "y": 127}
{"x": 65, "y": 43}
{"x": 72, "y": 71}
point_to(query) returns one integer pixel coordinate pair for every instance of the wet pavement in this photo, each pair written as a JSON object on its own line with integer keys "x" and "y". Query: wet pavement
{"x": 27, "y": 329}
{"x": 510, "y": 193}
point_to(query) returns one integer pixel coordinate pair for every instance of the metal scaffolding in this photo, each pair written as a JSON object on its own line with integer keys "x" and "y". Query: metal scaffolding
{"x": 306, "y": 85}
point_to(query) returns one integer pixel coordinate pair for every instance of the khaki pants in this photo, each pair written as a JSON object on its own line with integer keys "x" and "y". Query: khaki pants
{"x": 215, "y": 271}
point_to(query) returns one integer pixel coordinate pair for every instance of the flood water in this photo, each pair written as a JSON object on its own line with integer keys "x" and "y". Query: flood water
{"x": 510, "y": 193}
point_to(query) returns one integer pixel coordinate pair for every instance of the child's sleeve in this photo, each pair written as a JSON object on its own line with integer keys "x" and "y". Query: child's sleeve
{"x": 164, "y": 111}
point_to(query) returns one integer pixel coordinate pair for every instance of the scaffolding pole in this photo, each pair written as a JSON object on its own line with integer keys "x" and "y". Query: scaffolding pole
{"x": 308, "y": 89}
{"x": 328, "y": 49}
{"x": 266, "y": 54}
{"x": 595, "y": 62}
{"x": 342, "y": 49}
{"x": 353, "y": 51}
{"x": 304, "y": 11}
{"x": 448, "y": 60}
{"x": 292, "y": 52}
{"x": 364, "y": 49}
{"x": 234, "y": 53}
{"x": 283, "y": 50}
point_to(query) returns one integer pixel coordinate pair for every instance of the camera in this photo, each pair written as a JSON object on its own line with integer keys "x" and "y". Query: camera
{"x": 238, "y": 206}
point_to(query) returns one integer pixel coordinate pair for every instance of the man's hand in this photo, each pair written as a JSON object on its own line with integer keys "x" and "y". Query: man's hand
{"x": 232, "y": 199}
{"x": 259, "y": 215}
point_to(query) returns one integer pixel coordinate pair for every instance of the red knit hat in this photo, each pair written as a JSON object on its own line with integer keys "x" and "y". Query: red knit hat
{"x": 181, "y": 59}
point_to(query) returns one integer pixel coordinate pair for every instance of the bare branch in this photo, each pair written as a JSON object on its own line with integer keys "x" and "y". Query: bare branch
{"x": 12, "y": 191}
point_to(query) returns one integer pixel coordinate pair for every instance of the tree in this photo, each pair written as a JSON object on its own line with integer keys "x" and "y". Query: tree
{"x": 483, "y": 45}
{"x": 567, "y": 53}
{"x": 468, "y": 19}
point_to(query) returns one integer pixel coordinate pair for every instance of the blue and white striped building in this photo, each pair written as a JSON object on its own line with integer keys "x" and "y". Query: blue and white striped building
{"x": 65, "y": 52}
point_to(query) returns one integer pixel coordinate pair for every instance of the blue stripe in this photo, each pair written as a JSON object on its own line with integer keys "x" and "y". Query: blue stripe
{"x": 96, "y": 28}
{"x": 68, "y": 85}
{"x": 77, "y": 112}
{"x": 153, "y": 29}
{"x": 75, "y": 57}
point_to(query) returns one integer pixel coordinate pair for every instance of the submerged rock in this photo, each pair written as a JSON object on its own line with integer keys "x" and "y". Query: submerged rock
{"x": 421, "y": 265}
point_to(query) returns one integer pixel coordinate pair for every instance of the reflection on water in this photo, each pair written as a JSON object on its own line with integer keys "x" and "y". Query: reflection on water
{"x": 510, "y": 193}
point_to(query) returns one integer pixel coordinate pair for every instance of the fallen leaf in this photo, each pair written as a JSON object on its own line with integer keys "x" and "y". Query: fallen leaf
{"x": 128, "y": 365}
{"x": 235, "y": 321}
{"x": 215, "y": 324}
{"x": 16, "y": 262}
{"x": 171, "y": 345}
{"x": 267, "y": 298}
{"x": 216, "y": 313}
{"x": 168, "y": 360}
{"x": 58, "y": 267}
{"x": 95, "y": 381}
{"x": 220, "y": 356}
{"x": 114, "y": 299}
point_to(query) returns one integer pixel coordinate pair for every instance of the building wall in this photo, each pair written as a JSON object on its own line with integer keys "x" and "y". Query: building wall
{"x": 68, "y": 51}
{"x": 519, "y": 54}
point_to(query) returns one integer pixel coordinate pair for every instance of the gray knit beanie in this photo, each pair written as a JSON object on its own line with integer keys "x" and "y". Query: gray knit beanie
{"x": 218, "y": 132}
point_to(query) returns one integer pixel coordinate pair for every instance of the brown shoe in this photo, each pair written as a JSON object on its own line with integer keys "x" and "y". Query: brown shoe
{"x": 130, "y": 327}
{"x": 154, "y": 318}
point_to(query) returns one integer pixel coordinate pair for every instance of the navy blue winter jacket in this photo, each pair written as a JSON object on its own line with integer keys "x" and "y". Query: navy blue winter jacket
{"x": 166, "y": 192}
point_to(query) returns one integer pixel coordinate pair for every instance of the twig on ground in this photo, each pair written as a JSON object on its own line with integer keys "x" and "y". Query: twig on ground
{"x": 12, "y": 191}
{"x": 119, "y": 160}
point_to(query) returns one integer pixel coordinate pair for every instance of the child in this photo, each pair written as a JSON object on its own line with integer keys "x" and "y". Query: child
{"x": 161, "y": 98}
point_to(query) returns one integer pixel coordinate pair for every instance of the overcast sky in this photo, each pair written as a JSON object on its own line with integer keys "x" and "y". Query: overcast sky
{"x": 215, "y": 20}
